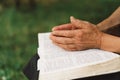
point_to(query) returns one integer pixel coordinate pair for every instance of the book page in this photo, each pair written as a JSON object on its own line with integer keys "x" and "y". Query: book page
{"x": 53, "y": 58}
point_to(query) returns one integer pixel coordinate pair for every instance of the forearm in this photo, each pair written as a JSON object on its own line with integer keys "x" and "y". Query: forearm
{"x": 111, "y": 21}
{"x": 110, "y": 43}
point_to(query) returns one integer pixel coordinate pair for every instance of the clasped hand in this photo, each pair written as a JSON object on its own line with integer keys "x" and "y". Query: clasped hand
{"x": 77, "y": 35}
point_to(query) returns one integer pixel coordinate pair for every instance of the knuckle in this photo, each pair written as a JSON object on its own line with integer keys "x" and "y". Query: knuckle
{"x": 78, "y": 41}
{"x": 66, "y": 33}
{"x": 79, "y": 45}
{"x": 72, "y": 40}
{"x": 72, "y": 33}
{"x": 71, "y": 46}
{"x": 79, "y": 33}
{"x": 67, "y": 46}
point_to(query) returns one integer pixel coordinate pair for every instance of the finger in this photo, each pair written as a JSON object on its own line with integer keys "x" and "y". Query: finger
{"x": 78, "y": 23}
{"x": 63, "y": 27}
{"x": 64, "y": 33}
{"x": 61, "y": 40}
{"x": 70, "y": 47}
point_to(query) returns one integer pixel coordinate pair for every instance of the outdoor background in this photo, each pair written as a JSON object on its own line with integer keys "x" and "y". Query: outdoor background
{"x": 22, "y": 20}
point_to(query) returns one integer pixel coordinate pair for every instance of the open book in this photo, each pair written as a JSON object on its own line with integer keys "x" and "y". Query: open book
{"x": 58, "y": 64}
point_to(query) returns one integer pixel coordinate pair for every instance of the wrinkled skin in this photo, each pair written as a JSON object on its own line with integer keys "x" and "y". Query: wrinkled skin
{"x": 77, "y": 35}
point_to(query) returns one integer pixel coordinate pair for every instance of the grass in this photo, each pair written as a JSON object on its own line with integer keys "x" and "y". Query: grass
{"x": 19, "y": 29}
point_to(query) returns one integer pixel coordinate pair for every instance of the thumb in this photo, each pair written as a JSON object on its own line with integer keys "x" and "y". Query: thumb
{"x": 76, "y": 22}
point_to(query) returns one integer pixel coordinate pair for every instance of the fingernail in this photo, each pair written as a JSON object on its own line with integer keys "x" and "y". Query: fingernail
{"x": 72, "y": 19}
{"x": 53, "y": 33}
{"x": 53, "y": 29}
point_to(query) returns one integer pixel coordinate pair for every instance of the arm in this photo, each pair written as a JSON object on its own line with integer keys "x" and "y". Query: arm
{"x": 110, "y": 43}
{"x": 84, "y": 36}
{"x": 111, "y": 21}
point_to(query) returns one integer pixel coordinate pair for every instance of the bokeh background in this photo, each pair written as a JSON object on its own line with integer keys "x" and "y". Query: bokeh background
{"x": 22, "y": 20}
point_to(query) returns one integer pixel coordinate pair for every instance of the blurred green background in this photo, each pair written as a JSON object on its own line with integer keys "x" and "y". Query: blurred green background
{"x": 22, "y": 20}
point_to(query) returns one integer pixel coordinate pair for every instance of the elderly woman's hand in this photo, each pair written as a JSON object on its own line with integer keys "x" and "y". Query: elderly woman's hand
{"x": 77, "y": 35}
